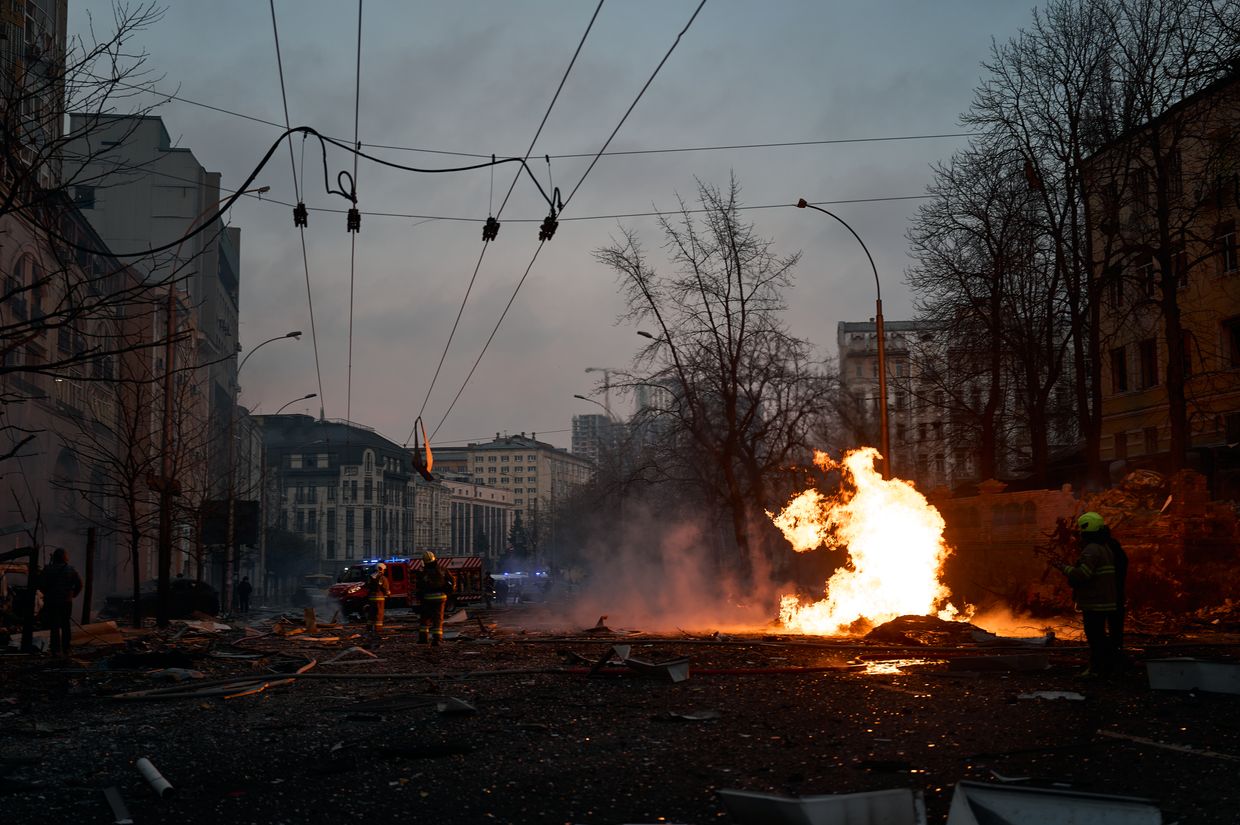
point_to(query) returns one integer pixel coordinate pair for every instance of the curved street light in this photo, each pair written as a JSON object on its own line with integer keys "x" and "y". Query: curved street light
{"x": 884, "y": 446}
{"x": 305, "y": 397}
{"x": 610, "y": 417}
{"x": 167, "y": 483}
{"x": 294, "y": 334}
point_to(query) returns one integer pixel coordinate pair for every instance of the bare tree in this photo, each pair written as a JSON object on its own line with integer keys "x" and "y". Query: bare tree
{"x": 742, "y": 392}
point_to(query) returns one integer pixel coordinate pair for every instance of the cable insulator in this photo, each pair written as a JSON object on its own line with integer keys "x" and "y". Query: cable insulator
{"x": 491, "y": 230}
{"x": 548, "y": 227}
{"x": 301, "y": 215}
{"x": 354, "y": 221}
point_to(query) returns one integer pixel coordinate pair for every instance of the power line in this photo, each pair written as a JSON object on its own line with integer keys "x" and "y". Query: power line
{"x": 305, "y": 258}
{"x": 572, "y": 155}
{"x": 543, "y": 238}
{"x": 487, "y": 238}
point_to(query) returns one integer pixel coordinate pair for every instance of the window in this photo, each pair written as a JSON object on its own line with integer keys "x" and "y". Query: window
{"x": 1151, "y": 440}
{"x": 940, "y": 466}
{"x": 1144, "y": 275}
{"x": 858, "y": 371}
{"x": 1179, "y": 265}
{"x": 491, "y": 459}
{"x": 874, "y": 370}
{"x": 1225, "y": 246}
{"x": 1121, "y": 445}
{"x": 1231, "y": 343}
{"x": 900, "y": 401}
{"x": 368, "y": 461}
{"x": 1140, "y": 189}
{"x": 1188, "y": 344}
{"x": 937, "y": 426}
{"x": 1119, "y": 370}
{"x": 503, "y": 459}
{"x": 1148, "y": 350}
{"x": 518, "y": 458}
{"x": 901, "y": 432}
{"x": 1115, "y": 293}
{"x": 1175, "y": 174}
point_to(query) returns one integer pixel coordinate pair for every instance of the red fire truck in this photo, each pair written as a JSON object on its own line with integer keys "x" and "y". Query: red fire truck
{"x": 350, "y": 587}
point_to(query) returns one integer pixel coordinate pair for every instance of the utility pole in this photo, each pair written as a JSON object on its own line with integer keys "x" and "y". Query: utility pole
{"x": 163, "y": 606}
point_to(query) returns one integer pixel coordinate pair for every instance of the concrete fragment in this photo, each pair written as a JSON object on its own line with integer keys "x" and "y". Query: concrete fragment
{"x": 978, "y": 803}
{"x": 898, "y": 806}
{"x": 674, "y": 670}
{"x": 1053, "y": 694}
{"x": 120, "y": 813}
{"x": 1187, "y": 673}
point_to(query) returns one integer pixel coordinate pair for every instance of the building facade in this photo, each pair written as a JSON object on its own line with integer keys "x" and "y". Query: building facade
{"x": 348, "y": 492}
{"x": 1166, "y": 200}
{"x": 480, "y": 518}
{"x": 538, "y": 475}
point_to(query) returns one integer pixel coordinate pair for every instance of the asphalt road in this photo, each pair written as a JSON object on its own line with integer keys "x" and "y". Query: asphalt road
{"x": 539, "y": 740}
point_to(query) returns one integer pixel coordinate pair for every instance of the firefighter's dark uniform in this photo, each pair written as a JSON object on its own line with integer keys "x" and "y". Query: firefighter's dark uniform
{"x": 377, "y": 588}
{"x": 60, "y": 585}
{"x": 1093, "y": 587}
{"x": 434, "y": 588}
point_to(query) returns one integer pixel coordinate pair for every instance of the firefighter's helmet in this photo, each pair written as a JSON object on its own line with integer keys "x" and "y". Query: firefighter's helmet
{"x": 380, "y": 567}
{"x": 1090, "y": 522}
{"x": 428, "y": 556}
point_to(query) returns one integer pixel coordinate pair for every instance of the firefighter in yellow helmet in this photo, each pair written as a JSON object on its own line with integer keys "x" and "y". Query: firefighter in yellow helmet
{"x": 1093, "y": 587}
{"x": 377, "y": 589}
{"x": 435, "y": 587}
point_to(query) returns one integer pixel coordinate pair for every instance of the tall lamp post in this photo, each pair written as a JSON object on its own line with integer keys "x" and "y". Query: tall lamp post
{"x": 305, "y": 397}
{"x": 612, "y": 424}
{"x": 167, "y": 485}
{"x": 231, "y": 554}
{"x": 884, "y": 443}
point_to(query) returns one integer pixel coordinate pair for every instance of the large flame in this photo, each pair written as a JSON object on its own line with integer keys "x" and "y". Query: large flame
{"x": 894, "y": 541}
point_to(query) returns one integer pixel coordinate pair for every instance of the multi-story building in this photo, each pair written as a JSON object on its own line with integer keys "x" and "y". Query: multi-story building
{"x": 480, "y": 519}
{"x": 593, "y": 436}
{"x": 538, "y": 475}
{"x": 1166, "y": 204}
{"x": 139, "y": 191}
{"x": 348, "y": 491}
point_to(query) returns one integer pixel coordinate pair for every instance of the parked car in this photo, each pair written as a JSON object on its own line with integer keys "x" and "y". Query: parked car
{"x": 186, "y": 597}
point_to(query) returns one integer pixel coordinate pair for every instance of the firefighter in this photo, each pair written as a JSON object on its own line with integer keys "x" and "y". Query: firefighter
{"x": 1093, "y": 587}
{"x": 377, "y": 589}
{"x": 60, "y": 584}
{"x": 435, "y": 586}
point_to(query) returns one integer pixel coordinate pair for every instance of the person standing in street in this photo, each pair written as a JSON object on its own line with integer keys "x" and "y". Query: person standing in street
{"x": 488, "y": 590}
{"x": 377, "y": 589}
{"x": 60, "y": 584}
{"x": 435, "y": 586}
{"x": 1093, "y": 587}
{"x": 243, "y": 594}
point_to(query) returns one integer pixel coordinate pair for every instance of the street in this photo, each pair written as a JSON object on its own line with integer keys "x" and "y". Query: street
{"x": 506, "y": 724}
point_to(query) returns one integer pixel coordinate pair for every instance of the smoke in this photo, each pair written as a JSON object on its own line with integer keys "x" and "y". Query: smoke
{"x": 661, "y": 578}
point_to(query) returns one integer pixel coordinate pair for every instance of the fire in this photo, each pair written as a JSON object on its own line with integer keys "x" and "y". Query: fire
{"x": 894, "y": 540}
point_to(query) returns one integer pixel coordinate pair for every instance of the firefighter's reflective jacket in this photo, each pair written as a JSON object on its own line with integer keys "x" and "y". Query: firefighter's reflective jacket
{"x": 435, "y": 583}
{"x": 1093, "y": 577}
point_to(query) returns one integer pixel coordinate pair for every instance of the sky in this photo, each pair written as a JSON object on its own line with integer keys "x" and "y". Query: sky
{"x": 477, "y": 77}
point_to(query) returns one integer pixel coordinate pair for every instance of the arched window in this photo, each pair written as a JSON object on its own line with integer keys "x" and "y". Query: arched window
{"x": 368, "y": 461}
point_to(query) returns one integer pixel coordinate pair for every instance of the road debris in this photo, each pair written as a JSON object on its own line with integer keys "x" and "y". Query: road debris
{"x": 162, "y": 787}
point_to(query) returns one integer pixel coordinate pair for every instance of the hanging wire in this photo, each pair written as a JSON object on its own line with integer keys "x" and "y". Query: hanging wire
{"x": 357, "y": 94}
{"x": 305, "y": 258}
{"x": 469, "y": 288}
{"x": 521, "y": 282}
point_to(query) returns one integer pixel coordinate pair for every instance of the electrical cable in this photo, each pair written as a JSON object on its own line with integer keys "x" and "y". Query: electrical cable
{"x": 650, "y": 80}
{"x": 354, "y": 220}
{"x": 545, "y": 237}
{"x": 571, "y": 155}
{"x": 486, "y": 239}
{"x": 305, "y": 259}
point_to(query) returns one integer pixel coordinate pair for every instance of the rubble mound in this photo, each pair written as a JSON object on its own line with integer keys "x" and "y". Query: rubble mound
{"x": 922, "y": 630}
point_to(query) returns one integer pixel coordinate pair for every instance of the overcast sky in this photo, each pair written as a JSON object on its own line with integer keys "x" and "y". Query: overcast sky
{"x": 477, "y": 77}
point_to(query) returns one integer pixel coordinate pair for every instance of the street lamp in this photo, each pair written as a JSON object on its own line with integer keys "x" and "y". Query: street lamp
{"x": 305, "y": 397}
{"x": 606, "y": 371}
{"x": 167, "y": 485}
{"x": 884, "y": 445}
{"x": 230, "y": 549}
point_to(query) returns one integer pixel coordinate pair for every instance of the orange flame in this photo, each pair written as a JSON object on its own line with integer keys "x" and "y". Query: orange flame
{"x": 894, "y": 540}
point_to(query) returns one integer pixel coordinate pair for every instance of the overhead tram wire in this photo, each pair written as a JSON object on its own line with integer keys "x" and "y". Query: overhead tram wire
{"x": 468, "y": 289}
{"x": 543, "y": 241}
{"x": 354, "y": 220}
{"x": 573, "y": 155}
{"x": 305, "y": 258}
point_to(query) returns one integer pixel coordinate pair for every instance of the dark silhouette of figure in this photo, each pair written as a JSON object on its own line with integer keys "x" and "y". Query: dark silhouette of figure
{"x": 243, "y": 594}
{"x": 60, "y": 584}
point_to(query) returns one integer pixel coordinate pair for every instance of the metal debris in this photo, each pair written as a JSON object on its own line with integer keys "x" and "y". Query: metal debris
{"x": 978, "y": 803}
{"x": 1187, "y": 673}
{"x": 162, "y": 787}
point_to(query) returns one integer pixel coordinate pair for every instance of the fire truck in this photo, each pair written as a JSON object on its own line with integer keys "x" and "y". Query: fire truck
{"x": 350, "y": 587}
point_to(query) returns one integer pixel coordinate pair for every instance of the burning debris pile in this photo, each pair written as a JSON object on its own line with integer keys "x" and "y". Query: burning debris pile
{"x": 894, "y": 541}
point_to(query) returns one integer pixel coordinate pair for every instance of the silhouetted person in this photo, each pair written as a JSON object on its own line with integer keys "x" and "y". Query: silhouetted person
{"x": 60, "y": 584}
{"x": 1093, "y": 587}
{"x": 243, "y": 594}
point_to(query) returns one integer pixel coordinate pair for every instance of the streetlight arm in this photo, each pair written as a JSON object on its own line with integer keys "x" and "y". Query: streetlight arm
{"x": 293, "y": 334}
{"x": 804, "y": 204}
{"x": 884, "y": 438}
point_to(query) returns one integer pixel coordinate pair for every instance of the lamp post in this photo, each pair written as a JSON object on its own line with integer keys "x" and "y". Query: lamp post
{"x": 231, "y": 559}
{"x": 305, "y": 397}
{"x": 167, "y": 485}
{"x": 612, "y": 424}
{"x": 884, "y": 445}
